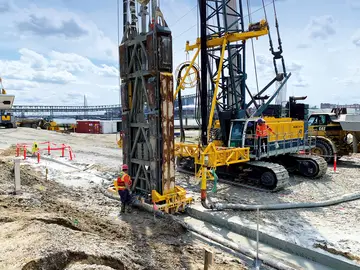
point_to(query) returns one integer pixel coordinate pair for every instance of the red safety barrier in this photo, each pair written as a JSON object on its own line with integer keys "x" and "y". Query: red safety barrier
{"x": 24, "y": 146}
{"x": 17, "y": 150}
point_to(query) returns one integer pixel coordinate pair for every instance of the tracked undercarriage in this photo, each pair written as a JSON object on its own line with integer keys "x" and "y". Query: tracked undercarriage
{"x": 270, "y": 174}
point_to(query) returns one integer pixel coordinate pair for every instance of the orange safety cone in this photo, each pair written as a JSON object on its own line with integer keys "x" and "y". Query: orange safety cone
{"x": 24, "y": 151}
{"x": 48, "y": 148}
{"x": 70, "y": 154}
{"x": 38, "y": 157}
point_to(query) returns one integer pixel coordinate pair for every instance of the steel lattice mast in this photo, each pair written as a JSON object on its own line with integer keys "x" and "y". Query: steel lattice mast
{"x": 219, "y": 18}
{"x": 147, "y": 98}
{"x": 223, "y": 64}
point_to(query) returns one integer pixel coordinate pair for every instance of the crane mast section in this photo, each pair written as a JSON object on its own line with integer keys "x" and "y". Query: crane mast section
{"x": 147, "y": 98}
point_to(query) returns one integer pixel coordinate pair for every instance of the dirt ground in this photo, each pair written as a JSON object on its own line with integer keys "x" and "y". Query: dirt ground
{"x": 52, "y": 225}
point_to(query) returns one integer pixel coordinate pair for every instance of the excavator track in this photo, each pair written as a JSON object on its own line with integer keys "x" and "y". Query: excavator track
{"x": 279, "y": 171}
{"x": 256, "y": 175}
{"x": 316, "y": 162}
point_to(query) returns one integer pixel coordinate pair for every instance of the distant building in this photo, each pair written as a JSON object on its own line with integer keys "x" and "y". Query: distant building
{"x": 330, "y": 106}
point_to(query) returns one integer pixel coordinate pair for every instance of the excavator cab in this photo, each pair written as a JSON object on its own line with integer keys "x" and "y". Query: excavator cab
{"x": 236, "y": 133}
{"x": 242, "y": 133}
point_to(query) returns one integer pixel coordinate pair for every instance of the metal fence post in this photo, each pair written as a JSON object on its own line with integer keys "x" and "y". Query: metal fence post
{"x": 17, "y": 176}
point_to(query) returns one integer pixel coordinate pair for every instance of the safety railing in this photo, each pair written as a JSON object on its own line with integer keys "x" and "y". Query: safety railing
{"x": 287, "y": 142}
{"x": 22, "y": 149}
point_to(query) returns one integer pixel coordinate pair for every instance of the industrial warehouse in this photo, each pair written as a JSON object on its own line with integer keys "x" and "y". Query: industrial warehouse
{"x": 203, "y": 160}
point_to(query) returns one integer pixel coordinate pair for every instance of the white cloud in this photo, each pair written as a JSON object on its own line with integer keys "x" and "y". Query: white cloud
{"x": 75, "y": 63}
{"x": 55, "y": 77}
{"x": 43, "y": 27}
{"x": 321, "y": 27}
{"x": 34, "y": 67}
{"x": 59, "y": 28}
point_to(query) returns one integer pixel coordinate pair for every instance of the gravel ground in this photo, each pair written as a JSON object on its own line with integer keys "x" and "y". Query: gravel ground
{"x": 335, "y": 227}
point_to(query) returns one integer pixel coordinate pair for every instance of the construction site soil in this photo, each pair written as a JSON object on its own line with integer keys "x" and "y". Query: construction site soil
{"x": 66, "y": 223}
{"x": 56, "y": 226}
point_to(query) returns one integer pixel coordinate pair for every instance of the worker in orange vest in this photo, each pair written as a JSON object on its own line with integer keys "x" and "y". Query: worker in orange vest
{"x": 123, "y": 186}
{"x": 262, "y": 134}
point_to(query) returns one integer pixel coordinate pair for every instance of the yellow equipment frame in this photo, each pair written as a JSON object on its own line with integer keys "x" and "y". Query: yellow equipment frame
{"x": 210, "y": 157}
{"x": 219, "y": 41}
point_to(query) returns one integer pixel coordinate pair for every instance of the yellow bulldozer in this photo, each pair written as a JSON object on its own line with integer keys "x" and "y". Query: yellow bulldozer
{"x": 336, "y": 133}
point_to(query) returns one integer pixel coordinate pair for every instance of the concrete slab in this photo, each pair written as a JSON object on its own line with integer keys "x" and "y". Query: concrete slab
{"x": 292, "y": 260}
{"x": 227, "y": 223}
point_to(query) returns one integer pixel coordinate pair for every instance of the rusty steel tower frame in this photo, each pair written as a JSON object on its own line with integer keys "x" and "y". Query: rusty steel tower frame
{"x": 147, "y": 98}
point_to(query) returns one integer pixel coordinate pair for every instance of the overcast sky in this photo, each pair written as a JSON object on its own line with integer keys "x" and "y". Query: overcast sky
{"x": 55, "y": 51}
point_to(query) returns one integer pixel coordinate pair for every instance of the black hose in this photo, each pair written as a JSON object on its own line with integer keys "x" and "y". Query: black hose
{"x": 283, "y": 206}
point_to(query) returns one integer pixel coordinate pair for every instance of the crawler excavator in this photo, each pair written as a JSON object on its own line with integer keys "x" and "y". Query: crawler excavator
{"x": 228, "y": 143}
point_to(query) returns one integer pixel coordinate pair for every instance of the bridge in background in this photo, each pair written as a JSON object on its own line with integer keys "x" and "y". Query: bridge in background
{"x": 87, "y": 112}
{"x": 348, "y": 106}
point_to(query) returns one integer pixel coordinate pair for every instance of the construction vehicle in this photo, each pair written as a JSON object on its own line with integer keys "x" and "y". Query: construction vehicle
{"x": 232, "y": 150}
{"x": 336, "y": 133}
{"x": 7, "y": 119}
{"x": 148, "y": 106}
{"x": 42, "y": 123}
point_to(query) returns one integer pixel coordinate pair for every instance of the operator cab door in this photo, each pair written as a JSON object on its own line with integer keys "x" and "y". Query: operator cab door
{"x": 319, "y": 122}
{"x": 241, "y": 136}
{"x": 236, "y": 133}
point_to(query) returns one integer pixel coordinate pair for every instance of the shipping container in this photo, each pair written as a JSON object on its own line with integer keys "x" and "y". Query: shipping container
{"x": 114, "y": 126}
{"x": 107, "y": 127}
{"x": 88, "y": 126}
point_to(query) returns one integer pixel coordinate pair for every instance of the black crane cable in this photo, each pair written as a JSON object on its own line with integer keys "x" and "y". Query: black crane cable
{"x": 276, "y": 54}
{"x": 198, "y": 92}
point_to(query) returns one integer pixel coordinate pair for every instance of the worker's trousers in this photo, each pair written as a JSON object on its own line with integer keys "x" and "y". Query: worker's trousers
{"x": 125, "y": 196}
{"x": 262, "y": 145}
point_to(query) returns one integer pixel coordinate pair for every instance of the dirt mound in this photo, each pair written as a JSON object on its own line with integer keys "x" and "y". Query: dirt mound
{"x": 11, "y": 151}
{"x": 57, "y": 227}
{"x": 62, "y": 260}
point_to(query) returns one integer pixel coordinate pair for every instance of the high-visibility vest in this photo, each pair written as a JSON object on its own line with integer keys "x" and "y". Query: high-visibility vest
{"x": 121, "y": 181}
{"x": 262, "y": 131}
